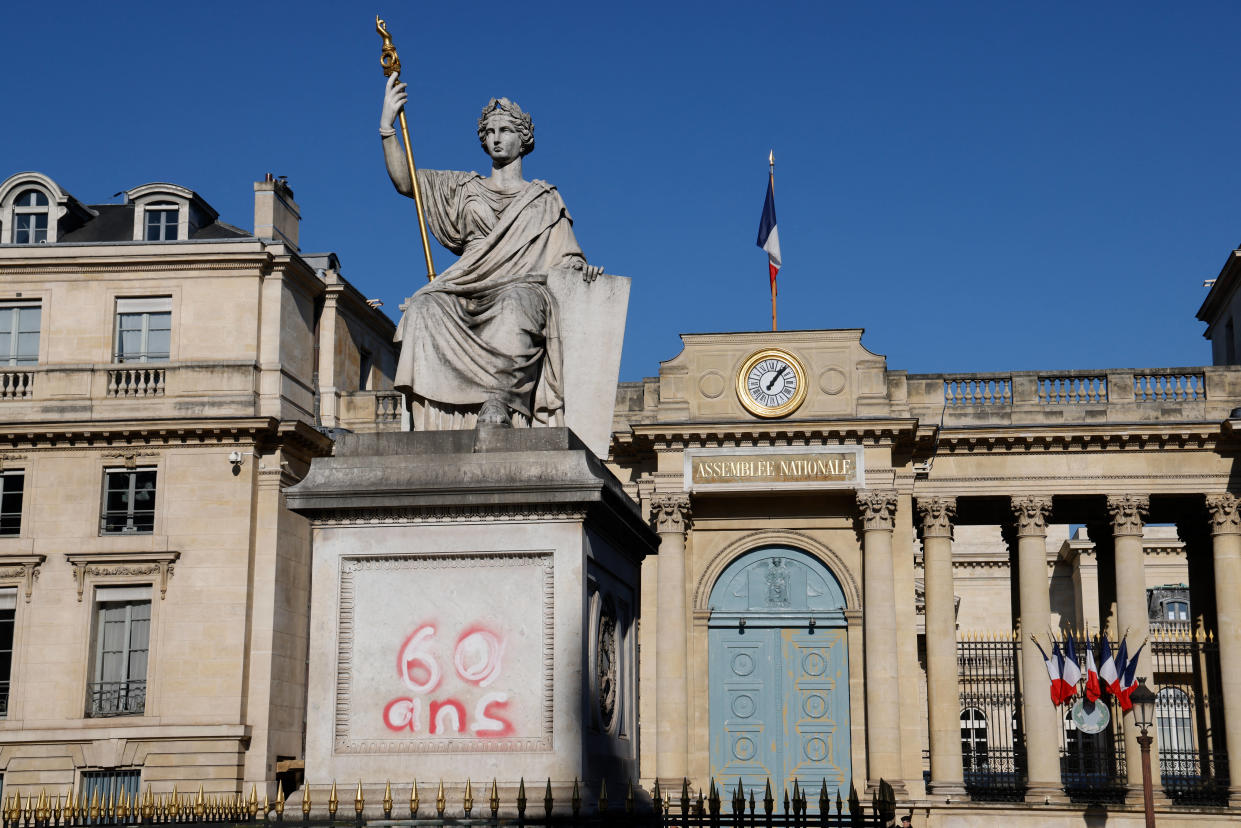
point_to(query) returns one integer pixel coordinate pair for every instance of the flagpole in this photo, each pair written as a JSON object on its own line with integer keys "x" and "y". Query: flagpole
{"x": 771, "y": 163}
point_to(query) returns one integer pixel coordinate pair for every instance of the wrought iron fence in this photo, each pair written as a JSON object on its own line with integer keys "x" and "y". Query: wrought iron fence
{"x": 1092, "y": 765}
{"x": 656, "y": 811}
{"x": 1193, "y": 764}
{"x": 116, "y": 698}
{"x": 992, "y": 743}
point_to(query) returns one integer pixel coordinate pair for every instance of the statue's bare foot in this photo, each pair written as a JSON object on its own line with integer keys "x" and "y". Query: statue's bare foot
{"x": 494, "y": 412}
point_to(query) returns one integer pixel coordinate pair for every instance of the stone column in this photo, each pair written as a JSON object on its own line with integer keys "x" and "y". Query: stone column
{"x": 1042, "y": 721}
{"x": 1226, "y": 554}
{"x": 943, "y": 697}
{"x": 1128, "y": 513}
{"x": 883, "y": 730}
{"x": 670, "y": 516}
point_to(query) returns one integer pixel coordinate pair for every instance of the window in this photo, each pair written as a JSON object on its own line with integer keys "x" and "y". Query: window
{"x": 128, "y": 502}
{"x": 110, "y": 783}
{"x": 12, "y": 486}
{"x": 1176, "y": 611}
{"x": 161, "y": 222}
{"x": 8, "y": 612}
{"x": 19, "y": 333}
{"x": 122, "y": 634}
{"x": 143, "y": 329}
{"x": 1175, "y": 719}
{"x": 30, "y": 217}
{"x": 973, "y": 739}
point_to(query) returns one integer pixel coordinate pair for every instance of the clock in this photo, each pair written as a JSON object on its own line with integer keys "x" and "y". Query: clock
{"x": 771, "y": 383}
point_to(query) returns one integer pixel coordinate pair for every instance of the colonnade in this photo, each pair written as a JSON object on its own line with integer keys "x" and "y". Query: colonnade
{"x": 936, "y": 516}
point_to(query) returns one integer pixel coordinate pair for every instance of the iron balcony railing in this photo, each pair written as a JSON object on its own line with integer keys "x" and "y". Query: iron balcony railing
{"x": 116, "y": 698}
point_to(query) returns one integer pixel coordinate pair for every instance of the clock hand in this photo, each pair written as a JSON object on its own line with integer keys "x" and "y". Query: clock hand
{"x": 776, "y": 377}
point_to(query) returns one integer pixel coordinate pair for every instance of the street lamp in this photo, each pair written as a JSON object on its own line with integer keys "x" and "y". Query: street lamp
{"x": 1143, "y": 716}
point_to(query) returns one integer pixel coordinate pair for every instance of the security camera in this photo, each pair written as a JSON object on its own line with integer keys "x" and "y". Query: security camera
{"x": 235, "y": 457}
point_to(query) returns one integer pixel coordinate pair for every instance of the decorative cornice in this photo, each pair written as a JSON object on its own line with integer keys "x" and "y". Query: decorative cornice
{"x": 878, "y": 509}
{"x": 1128, "y": 513}
{"x": 681, "y": 435}
{"x": 1030, "y": 513}
{"x": 1225, "y": 518}
{"x": 670, "y": 512}
{"x": 1035, "y": 439}
{"x": 418, "y": 515}
{"x": 122, "y": 564}
{"x": 24, "y": 568}
{"x": 937, "y": 515}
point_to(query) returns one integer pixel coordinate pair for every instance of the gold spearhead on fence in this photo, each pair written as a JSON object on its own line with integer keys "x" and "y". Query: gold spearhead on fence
{"x": 769, "y": 802}
{"x": 494, "y": 800}
{"x": 655, "y": 795}
{"x": 603, "y": 795}
{"x": 332, "y": 802}
{"x": 57, "y": 809}
{"x": 413, "y": 800}
{"x": 387, "y": 802}
{"x": 521, "y": 797}
{"x": 123, "y": 810}
{"x": 94, "y": 804}
{"x": 440, "y": 801}
{"x": 468, "y": 803}
{"x": 280, "y": 800}
{"x": 254, "y": 799}
{"x": 547, "y": 797}
{"x": 684, "y": 794}
{"x": 305, "y": 800}
{"x": 266, "y": 804}
{"x": 200, "y": 806}
{"x": 358, "y": 802}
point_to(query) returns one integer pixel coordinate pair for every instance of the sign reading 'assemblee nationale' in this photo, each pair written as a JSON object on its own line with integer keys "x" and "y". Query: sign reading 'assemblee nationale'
{"x": 800, "y": 467}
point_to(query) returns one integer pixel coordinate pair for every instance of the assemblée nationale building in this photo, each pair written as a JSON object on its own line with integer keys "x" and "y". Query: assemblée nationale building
{"x": 848, "y": 575}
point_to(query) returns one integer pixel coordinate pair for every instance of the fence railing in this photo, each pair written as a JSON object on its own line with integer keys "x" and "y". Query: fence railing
{"x": 136, "y": 382}
{"x": 115, "y": 698}
{"x": 978, "y": 391}
{"x": 388, "y": 406}
{"x": 1193, "y": 764}
{"x": 992, "y": 743}
{"x": 16, "y": 385}
{"x": 657, "y": 811}
{"x": 1072, "y": 390}
{"x": 1169, "y": 387}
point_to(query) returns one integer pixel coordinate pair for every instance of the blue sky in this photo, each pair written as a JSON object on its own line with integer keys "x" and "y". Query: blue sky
{"x": 982, "y": 186}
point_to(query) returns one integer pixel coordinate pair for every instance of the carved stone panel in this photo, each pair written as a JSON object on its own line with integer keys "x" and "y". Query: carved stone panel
{"x": 445, "y": 653}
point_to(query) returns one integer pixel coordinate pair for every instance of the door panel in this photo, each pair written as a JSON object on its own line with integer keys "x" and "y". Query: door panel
{"x": 747, "y": 726}
{"x": 816, "y": 720}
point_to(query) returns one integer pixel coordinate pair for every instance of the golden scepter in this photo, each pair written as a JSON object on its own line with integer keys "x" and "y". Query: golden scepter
{"x": 392, "y": 66}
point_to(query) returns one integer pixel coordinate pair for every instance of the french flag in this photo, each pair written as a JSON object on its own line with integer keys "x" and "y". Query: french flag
{"x": 1070, "y": 672}
{"x": 1092, "y": 677}
{"x": 1052, "y": 663}
{"x": 1108, "y": 676}
{"x": 768, "y": 236}
{"x": 1129, "y": 680}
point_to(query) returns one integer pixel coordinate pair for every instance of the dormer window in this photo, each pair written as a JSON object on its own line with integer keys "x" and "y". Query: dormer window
{"x": 30, "y": 211}
{"x": 162, "y": 220}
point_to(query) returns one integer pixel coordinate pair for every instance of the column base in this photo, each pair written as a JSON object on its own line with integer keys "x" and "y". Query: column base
{"x": 1234, "y": 797}
{"x": 946, "y": 791}
{"x": 898, "y": 788}
{"x": 1045, "y": 793}
{"x": 1133, "y": 796}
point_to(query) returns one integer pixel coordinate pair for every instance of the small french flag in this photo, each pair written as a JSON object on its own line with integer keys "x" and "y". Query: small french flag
{"x": 768, "y": 236}
{"x": 1108, "y": 677}
{"x": 1070, "y": 671}
{"x": 1093, "y": 691}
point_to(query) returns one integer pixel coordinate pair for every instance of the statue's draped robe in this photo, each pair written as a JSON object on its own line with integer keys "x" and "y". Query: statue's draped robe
{"x": 487, "y": 326}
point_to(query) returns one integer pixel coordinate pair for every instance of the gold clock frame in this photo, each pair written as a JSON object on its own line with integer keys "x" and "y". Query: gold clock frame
{"x": 771, "y": 412}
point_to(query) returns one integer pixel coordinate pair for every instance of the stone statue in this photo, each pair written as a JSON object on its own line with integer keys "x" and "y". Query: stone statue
{"x": 481, "y": 343}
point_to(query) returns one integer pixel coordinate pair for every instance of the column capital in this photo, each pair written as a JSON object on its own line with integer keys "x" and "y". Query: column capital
{"x": 1030, "y": 513}
{"x": 937, "y": 516}
{"x": 670, "y": 512}
{"x": 878, "y": 508}
{"x": 1128, "y": 513}
{"x": 1225, "y": 516}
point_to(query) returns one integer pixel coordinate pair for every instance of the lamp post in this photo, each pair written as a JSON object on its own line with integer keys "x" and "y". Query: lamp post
{"x": 1143, "y": 715}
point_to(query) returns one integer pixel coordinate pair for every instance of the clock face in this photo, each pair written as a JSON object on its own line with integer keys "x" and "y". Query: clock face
{"x": 771, "y": 383}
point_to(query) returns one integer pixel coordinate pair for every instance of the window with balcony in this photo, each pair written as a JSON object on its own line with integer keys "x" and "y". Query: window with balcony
{"x": 128, "y": 502}
{"x": 8, "y": 613}
{"x": 121, "y": 636}
{"x": 161, "y": 222}
{"x": 12, "y": 490}
{"x": 19, "y": 332}
{"x": 143, "y": 329}
{"x": 30, "y": 212}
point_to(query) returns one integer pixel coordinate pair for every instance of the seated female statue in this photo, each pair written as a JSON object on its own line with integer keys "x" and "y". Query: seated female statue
{"x": 481, "y": 342}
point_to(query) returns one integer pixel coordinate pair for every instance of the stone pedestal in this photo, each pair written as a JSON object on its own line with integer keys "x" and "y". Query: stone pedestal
{"x": 473, "y": 612}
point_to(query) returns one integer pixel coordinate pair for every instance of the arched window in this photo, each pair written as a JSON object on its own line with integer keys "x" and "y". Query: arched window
{"x": 973, "y": 739}
{"x": 1174, "y": 715}
{"x": 30, "y": 212}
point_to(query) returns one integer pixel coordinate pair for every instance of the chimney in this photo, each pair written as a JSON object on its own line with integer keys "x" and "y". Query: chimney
{"x": 275, "y": 212}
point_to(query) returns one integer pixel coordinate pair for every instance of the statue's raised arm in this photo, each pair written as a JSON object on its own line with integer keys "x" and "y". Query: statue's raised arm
{"x": 481, "y": 343}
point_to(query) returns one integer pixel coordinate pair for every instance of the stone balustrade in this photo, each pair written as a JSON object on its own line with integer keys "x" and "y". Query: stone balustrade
{"x": 16, "y": 385}
{"x": 1045, "y": 397}
{"x": 367, "y": 411}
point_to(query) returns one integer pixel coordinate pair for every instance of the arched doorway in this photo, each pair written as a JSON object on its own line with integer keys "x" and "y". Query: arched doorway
{"x": 779, "y": 675}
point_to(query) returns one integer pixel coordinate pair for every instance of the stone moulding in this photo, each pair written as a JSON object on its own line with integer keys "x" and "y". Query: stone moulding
{"x": 122, "y": 565}
{"x": 344, "y": 651}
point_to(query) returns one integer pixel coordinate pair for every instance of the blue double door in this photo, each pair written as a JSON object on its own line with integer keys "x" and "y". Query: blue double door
{"x": 779, "y": 676}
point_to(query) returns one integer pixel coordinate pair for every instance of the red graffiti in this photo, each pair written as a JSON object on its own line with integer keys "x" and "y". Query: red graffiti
{"x": 477, "y": 659}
